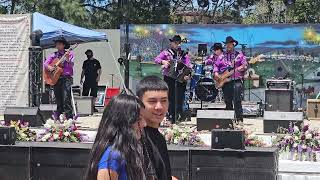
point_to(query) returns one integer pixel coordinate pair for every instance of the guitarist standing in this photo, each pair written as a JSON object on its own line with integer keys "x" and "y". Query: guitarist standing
{"x": 234, "y": 61}
{"x": 62, "y": 89}
{"x": 176, "y": 89}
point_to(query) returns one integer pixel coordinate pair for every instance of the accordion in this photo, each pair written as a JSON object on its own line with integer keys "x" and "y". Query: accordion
{"x": 177, "y": 69}
{"x": 179, "y": 72}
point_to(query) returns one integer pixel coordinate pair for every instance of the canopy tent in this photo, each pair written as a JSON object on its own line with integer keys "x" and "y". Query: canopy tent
{"x": 52, "y": 28}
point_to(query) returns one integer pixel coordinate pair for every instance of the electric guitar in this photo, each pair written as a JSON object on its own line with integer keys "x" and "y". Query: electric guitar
{"x": 52, "y": 77}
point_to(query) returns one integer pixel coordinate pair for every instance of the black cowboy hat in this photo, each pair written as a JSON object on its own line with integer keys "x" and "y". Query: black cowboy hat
{"x": 216, "y": 46}
{"x": 176, "y": 38}
{"x": 88, "y": 51}
{"x": 62, "y": 40}
{"x": 230, "y": 39}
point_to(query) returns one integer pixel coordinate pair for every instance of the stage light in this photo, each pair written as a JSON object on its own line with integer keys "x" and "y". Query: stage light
{"x": 203, "y": 3}
{"x": 289, "y": 2}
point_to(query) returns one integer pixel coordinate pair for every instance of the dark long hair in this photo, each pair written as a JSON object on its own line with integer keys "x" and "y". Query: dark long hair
{"x": 115, "y": 131}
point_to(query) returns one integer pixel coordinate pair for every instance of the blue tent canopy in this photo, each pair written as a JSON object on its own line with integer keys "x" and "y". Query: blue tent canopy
{"x": 53, "y": 28}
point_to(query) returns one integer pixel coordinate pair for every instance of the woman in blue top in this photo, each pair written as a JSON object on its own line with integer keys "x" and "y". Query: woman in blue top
{"x": 116, "y": 153}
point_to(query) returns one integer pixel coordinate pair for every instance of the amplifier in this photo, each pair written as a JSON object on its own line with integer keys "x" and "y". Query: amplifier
{"x": 279, "y": 84}
{"x": 279, "y": 100}
{"x": 221, "y": 139}
{"x": 7, "y": 135}
{"x": 214, "y": 119}
{"x": 273, "y": 121}
{"x": 84, "y": 105}
{"x": 313, "y": 107}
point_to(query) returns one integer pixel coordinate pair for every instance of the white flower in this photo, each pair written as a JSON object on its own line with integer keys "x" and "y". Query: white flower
{"x": 296, "y": 129}
{"x": 66, "y": 134}
{"x": 68, "y": 123}
{"x": 304, "y": 146}
{"x": 46, "y": 137}
{"x": 296, "y": 138}
{"x": 309, "y": 136}
{"x": 55, "y": 136}
{"x": 295, "y": 145}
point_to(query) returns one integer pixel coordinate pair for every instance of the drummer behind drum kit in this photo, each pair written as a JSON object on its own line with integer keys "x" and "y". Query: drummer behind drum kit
{"x": 202, "y": 85}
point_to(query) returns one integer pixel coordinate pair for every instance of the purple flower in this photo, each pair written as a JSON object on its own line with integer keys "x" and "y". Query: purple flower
{"x": 305, "y": 128}
{"x": 309, "y": 149}
{"x": 299, "y": 148}
{"x": 303, "y": 137}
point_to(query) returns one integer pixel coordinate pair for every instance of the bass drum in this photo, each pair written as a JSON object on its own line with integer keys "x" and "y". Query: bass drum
{"x": 206, "y": 90}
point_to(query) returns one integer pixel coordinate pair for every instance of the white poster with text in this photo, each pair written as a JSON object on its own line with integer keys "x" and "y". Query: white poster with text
{"x": 14, "y": 60}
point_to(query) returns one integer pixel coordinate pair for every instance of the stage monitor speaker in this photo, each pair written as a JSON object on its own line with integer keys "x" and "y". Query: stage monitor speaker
{"x": 281, "y": 70}
{"x": 273, "y": 121}
{"x": 221, "y": 139}
{"x": 214, "y": 119}
{"x": 7, "y": 135}
{"x": 84, "y": 105}
{"x": 46, "y": 110}
{"x": 279, "y": 100}
{"x": 26, "y": 114}
{"x": 202, "y": 49}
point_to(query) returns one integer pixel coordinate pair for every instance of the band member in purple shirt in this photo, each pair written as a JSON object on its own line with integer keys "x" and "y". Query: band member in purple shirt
{"x": 217, "y": 50}
{"x": 62, "y": 89}
{"x": 232, "y": 90}
{"x": 176, "y": 89}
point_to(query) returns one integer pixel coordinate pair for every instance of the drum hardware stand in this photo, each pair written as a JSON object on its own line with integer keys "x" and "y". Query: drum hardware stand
{"x": 261, "y": 104}
{"x": 302, "y": 87}
{"x": 112, "y": 76}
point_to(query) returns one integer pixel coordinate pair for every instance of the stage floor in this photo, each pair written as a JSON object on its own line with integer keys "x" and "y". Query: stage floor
{"x": 254, "y": 124}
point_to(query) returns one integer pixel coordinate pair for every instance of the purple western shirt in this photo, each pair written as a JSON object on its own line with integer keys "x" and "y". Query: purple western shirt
{"x": 166, "y": 55}
{"x": 210, "y": 59}
{"x": 225, "y": 60}
{"x": 67, "y": 66}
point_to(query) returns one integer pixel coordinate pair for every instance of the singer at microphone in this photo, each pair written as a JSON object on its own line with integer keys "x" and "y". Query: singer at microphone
{"x": 168, "y": 58}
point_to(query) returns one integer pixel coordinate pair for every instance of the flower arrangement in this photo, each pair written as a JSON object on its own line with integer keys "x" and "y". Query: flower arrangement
{"x": 24, "y": 133}
{"x": 251, "y": 140}
{"x": 64, "y": 131}
{"x": 302, "y": 144}
{"x": 182, "y": 136}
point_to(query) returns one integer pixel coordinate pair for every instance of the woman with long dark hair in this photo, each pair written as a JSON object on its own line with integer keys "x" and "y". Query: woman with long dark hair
{"x": 116, "y": 153}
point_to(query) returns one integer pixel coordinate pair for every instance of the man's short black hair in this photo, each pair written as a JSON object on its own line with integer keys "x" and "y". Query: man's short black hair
{"x": 151, "y": 83}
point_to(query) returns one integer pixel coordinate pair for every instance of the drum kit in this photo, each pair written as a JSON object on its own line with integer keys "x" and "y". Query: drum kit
{"x": 202, "y": 84}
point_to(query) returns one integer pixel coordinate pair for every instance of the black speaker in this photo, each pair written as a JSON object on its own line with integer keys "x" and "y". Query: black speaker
{"x": 46, "y": 110}
{"x": 202, "y": 50}
{"x": 7, "y": 135}
{"x": 214, "y": 119}
{"x": 233, "y": 139}
{"x": 274, "y": 121}
{"x": 26, "y": 114}
{"x": 279, "y": 100}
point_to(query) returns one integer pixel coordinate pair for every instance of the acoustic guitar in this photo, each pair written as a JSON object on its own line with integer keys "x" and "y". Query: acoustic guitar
{"x": 52, "y": 77}
{"x": 225, "y": 76}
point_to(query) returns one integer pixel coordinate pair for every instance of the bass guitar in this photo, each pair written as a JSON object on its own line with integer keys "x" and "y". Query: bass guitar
{"x": 52, "y": 77}
{"x": 225, "y": 76}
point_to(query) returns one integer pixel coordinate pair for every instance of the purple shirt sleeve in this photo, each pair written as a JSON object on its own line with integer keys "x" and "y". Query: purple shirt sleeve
{"x": 160, "y": 57}
{"x": 187, "y": 61}
{"x": 71, "y": 57}
{"x": 49, "y": 60}
{"x": 209, "y": 60}
{"x": 243, "y": 61}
